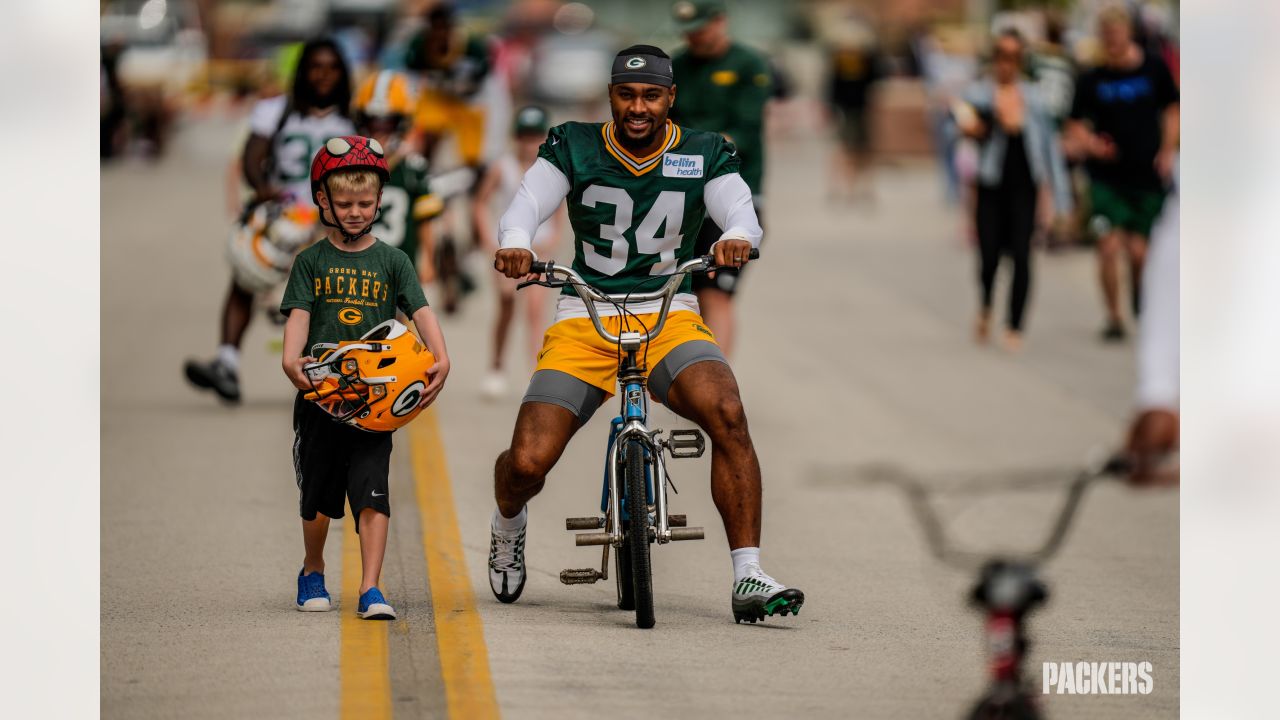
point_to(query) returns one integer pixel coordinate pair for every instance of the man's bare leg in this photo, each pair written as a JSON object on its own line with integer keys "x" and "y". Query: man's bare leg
{"x": 1109, "y": 248}
{"x": 1136, "y": 245}
{"x": 707, "y": 393}
{"x": 542, "y": 432}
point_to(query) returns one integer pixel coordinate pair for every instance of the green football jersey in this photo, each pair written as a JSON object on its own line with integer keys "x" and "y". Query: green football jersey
{"x": 406, "y": 202}
{"x": 635, "y": 218}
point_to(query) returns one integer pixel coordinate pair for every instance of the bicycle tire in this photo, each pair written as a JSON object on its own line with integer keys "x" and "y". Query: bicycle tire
{"x": 638, "y": 534}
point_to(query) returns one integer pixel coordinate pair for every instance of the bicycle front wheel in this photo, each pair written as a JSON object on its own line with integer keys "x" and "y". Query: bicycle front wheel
{"x": 637, "y": 541}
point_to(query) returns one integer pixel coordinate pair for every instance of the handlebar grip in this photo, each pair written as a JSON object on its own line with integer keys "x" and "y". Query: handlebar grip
{"x": 754, "y": 254}
{"x": 540, "y": 268}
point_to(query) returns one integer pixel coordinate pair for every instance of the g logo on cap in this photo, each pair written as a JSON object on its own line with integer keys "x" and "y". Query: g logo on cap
{"x": 635, "y": 63}
{"x": 685, "y": 10}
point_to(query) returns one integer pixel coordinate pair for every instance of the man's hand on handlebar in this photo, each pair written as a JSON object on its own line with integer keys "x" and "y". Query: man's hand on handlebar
{"x": 513, "y": 262}
{"x": 732, "y": 252}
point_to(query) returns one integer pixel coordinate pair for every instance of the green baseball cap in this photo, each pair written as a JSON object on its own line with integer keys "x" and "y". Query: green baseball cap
{"x": 531, "y": 119}
{"x": 691, "y": 15}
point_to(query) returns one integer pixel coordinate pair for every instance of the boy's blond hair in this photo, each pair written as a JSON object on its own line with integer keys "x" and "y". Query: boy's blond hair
{"x": 355, "y": 180}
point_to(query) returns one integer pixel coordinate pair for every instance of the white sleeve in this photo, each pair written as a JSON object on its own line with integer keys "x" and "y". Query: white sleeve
{"x": 1158, "y": 365}
{"x": 540, "y": 193}
{"x": 265, "y": 116}
{"x": 728, "y": 201}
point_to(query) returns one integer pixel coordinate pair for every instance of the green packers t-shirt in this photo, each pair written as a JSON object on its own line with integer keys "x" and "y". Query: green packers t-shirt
{"x": 726, "y": 95}
{"x": 350, "y": 293}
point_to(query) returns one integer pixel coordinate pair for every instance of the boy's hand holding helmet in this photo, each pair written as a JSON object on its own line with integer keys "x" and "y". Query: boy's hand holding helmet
{"x": 293, "y": 367}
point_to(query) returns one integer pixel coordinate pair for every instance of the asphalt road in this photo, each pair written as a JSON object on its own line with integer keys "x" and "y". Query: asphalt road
{"x": 854, "y": 353}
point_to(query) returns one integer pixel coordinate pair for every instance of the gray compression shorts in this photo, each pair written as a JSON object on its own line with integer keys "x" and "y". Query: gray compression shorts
{"x": 583, "y": 399}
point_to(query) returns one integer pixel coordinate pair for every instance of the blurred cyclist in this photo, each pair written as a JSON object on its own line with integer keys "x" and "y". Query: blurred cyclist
{"x": 285, "y": 133}
{"x": 723, "y": 88}
{"x": 1124, "y": 123}
{"x": 500, "y": 183}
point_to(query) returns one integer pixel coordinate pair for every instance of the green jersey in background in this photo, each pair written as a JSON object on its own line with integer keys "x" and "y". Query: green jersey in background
{"x": 635, "y": 218}
{"x": 406, "y": 202}
{"x": 726, "y": 95}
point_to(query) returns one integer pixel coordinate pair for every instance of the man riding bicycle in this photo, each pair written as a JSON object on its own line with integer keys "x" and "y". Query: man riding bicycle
{"x": 638, "y": 190}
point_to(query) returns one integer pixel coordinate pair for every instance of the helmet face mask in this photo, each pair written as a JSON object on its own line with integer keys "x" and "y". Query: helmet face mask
{"x": 374, "y": 383}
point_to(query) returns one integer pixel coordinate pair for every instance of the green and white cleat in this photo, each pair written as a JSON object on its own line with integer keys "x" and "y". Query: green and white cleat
{"x": 758, "y": 596}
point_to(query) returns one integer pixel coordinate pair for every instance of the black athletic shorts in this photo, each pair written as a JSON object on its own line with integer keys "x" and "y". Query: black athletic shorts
{"x": 334, "y": 462}
{"x": 725, "y": 280}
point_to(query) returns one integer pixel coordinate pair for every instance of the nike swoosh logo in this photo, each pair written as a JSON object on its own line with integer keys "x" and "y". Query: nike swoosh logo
{"x": 554, "y": 140}
{"x": 375, "y": 493}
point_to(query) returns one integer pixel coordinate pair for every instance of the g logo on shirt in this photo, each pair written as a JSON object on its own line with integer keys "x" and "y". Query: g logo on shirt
{"x": 350, "y": 316}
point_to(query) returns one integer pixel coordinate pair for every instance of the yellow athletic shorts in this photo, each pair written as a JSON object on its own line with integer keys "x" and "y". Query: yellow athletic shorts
{"x": 574, "y": 347}
{"x": 439, "y": 114}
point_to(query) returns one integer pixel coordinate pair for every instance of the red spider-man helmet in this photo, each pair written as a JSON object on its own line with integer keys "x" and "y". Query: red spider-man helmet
{"x": 349, "y": 152}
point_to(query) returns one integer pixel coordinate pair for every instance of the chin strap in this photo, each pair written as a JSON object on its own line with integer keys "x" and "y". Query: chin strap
{"x": 348, "y": 238}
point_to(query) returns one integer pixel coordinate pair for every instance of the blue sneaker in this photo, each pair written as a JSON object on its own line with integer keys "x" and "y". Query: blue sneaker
{"x": 375, "y": 607}
{"x": 312, "y": 597}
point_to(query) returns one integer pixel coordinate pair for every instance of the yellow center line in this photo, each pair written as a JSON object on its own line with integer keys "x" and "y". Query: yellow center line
{"x": 464, "y": 659}
{"x": 365, "y": 664}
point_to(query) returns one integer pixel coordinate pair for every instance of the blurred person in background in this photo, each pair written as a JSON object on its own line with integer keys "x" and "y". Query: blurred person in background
{"x": 285, "y": 133}
{"x": 1123, "y": 122}
{"x": 111, "y": 101}
{"x": 497, "y": 189}
{"x": 452, "y": 67}
{"x": 946, "y": 60}
{"x": 1018, "y": 154}
{"x": 1054, "y": 73}
{"x": 383, "y": 105}
{"x": 724, "y": 86}
{"x": 854, "y": 67}
{"x": 1153, "y": 436}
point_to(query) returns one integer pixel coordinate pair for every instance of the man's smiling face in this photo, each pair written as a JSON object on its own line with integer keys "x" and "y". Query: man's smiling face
{"x": 640, "y": 110}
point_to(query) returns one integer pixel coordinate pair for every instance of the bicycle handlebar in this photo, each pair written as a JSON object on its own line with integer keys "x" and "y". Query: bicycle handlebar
{"x": 590, "y": 295}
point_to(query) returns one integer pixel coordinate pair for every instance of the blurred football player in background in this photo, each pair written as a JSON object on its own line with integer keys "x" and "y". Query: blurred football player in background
{"x": 497, "y": 189}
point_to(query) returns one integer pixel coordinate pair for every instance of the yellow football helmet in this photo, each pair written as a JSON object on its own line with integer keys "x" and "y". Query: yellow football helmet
{"x": 374, "y": 383}
{"x": 385, "y": 94}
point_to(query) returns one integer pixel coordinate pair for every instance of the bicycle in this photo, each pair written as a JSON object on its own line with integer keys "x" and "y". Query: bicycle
{"x": 634, "y": 462}
{"x": 1008, "y": 589}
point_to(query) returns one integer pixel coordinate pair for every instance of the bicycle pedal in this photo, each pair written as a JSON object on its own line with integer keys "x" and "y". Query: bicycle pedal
{"x": 583, "y": 523}
{"x": 686, "y": 443}
{"x": 687, "y": 533}
{"x": 582, "y": 576}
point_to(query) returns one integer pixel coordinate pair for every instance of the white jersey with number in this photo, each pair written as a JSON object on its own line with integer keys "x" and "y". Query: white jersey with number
{"x": 297, "y": 142}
